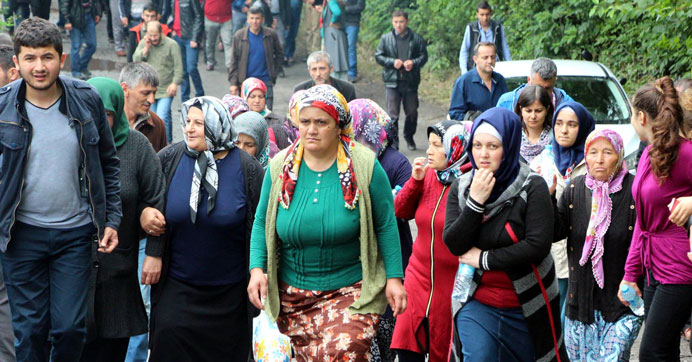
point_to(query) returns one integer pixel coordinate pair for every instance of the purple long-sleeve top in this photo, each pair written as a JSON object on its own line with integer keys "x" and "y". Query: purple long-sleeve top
{"x": 659, "y": 245}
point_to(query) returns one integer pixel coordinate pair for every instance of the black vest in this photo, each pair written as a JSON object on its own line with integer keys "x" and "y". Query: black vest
{"x": 476, "y": 38}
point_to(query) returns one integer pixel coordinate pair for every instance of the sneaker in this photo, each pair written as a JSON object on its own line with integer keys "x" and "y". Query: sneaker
{"x": 352, "y": 79}
{"x": 86, "y": 75}
{"x": 210, "y": 67}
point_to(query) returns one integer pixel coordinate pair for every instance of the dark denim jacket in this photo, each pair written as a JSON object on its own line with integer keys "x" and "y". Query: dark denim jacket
{"x": 82, "y": 104}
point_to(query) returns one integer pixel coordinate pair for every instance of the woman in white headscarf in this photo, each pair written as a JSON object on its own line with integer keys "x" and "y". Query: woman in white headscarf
{"x": 199, "y": 307}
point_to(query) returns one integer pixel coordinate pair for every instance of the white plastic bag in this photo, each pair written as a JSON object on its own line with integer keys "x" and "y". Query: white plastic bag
{"x": 268, "y": 344}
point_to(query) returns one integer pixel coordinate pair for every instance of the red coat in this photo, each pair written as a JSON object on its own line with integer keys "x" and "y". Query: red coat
{"x": 428, "y": 280}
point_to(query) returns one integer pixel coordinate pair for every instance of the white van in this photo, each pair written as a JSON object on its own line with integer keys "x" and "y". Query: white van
{"x": 591, "y": 84}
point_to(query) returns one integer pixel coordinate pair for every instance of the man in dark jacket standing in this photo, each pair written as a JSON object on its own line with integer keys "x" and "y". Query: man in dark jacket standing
{"x": 256, "y": 53}
{"x": 59, "y": 196}
{"x": 188, "y": 27}
{"x": 351, "y": 21}
{"x": 402, "y": 53}
{"x": 320, "y": 67}
{"x": 81, "y": 19}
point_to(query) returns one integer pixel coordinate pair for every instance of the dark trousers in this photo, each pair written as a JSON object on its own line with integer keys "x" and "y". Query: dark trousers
{"x": 106, "y": 350}
{"x": 131, "y": 38}
{"x": 409, "y": 356}
{"x": 47, "y": 277}
{"x": 292, "y": 31}
{"x": 409, "y": 98}
{"x": 667, "y": 309}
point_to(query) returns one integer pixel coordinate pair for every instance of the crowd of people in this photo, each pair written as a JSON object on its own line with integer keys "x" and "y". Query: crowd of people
{"x": 119, "y": 243}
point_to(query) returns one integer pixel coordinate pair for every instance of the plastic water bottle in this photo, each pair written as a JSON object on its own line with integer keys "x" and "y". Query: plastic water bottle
{"x": 462, "y": 282}
{"x": 635, "y": 301}
{"x": 396, "y": 190}
{"x": 547, "y": 164}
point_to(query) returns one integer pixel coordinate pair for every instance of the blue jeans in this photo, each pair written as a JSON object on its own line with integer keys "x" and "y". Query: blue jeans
{"x": 47, "y": 277}
{"x": 239, "y": 20}
{"x": 352, "y": 36}
{"x": 292, "y": 32}
{"x": 87, "y": 35}
{"x": 190, "y": 56}
{"x": 137, "y": 351}
{"x": 162, "y": 108}
{"x": 492, "y": 334}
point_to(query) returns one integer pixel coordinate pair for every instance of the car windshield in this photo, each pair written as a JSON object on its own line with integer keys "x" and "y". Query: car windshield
{"x": 601, "y": 96}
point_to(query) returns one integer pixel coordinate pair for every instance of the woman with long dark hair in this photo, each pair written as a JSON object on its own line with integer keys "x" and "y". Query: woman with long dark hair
{"x": 535, "y": 108}
{"x": 660, "y": 243}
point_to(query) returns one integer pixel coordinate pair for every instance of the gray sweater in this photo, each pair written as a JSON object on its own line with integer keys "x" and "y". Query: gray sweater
{"x": 117, "y": 300}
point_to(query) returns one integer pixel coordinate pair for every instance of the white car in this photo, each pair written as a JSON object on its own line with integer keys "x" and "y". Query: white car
{"x": 591, "y": 84}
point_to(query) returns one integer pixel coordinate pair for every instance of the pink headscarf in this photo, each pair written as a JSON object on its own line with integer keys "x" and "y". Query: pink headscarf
{"x": 601, "y": 203}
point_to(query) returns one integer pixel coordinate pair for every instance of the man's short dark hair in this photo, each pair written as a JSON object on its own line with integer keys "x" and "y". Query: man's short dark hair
{"x": 36, "y": 32}
{"x": 483, "y": 44}
{"x": 398, "y": 12}
{"x": 256, "y": 8}
{"x": 6, "y": 39}
{"x": 6, "y": 53}
{"x": 484, "y": 5}
{"x": 150, "y": 6}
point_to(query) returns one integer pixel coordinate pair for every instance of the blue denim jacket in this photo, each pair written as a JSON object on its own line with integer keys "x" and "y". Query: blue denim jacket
{"x": 82, "y": 104}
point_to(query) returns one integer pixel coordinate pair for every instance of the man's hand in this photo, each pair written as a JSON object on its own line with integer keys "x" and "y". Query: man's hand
{"x": 147, "y": 46}
{"x": 234, "y": 90}
{"x": 193, "y": 44}
{"x": 245, "y": 9}
{"x": 274, "y": 22}
{"x": 124, "y": 21}
{"x": 109, "y": 241}
{"x": 396, "y": 295}
{"x": 408, "y": 65}
{"x": 68, "y": 26}
{"x": 97, "y": 19}
{"x": 318, "y": 8}
{"x": 172, "y": 90}
{"x": 398, "y": 64}
{"x": 151, "y": 270}
{"x": 152, "y": 221}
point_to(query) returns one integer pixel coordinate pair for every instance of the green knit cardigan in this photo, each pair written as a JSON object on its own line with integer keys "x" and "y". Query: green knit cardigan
{"x": 372, "y": 297}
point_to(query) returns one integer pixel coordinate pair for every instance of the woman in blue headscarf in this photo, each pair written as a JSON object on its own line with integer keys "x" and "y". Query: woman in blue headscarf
{"x": 499, "y": 220}
{"x": 572, "y": 124}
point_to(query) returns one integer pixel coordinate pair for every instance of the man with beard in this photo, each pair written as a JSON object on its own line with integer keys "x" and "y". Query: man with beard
{"x": 163, "y": 54}
{"x": 320, "y": 67}
{"x": 59, "y": 196}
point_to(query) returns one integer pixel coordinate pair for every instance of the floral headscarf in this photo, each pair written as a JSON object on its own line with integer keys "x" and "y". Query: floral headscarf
{"x": 235, "y": 104}
{"x": 370, "y": 123}
{"x": 250, "y": 85}
{"x": 291, "y": 128}
{"x": 601, "y": 203}
{"x": 529, "y": 150}
{"x": 328, "y": 99}
{"x": 455, "y": 137}
{"x": 219, "y": 135}
{"x": 253, "y": 124}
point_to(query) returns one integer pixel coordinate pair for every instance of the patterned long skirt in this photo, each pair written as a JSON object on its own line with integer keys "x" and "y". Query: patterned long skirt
{"x": 600, "y": 340}
{"x": 320, "y": 326}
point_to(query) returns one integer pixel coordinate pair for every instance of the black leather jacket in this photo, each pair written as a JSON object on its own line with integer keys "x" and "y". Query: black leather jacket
{"x": 387, "y": 53}
{"x": 191, "y": 18}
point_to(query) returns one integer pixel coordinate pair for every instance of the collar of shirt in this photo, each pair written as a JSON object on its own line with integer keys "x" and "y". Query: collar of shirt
{"x": 476, "y": 78}
{"x": 402, "y": 35}
{"x": 486, "y": 35}
{"x": 142, "y": 120}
